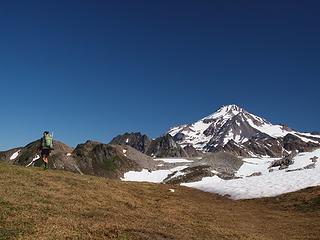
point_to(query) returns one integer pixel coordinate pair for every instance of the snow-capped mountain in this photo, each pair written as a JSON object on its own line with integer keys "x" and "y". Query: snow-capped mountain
{"x": 231, "y": 128}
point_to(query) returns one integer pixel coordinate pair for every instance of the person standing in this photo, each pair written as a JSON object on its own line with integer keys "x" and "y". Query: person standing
{"x": 45, "y": 148}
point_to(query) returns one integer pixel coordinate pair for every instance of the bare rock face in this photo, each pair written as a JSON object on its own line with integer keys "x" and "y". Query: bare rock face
{"x": 310, "y": 166}
{"x": 255, "y": 174}
{"x": 136, "y": 140}
{"x": 222, "y": 162}
{"x": 314, "y": 159}
{"x": 165, "y": 147}
{"x": 191, "y": 174}
{"x": 179, "y": 137}
{"x": 284, "y": 162}
{"x": 291, "y": 143}
{"x": 192, "y": 152}
{"x": 233, "y": 148}
{"x": 266, "y": 146}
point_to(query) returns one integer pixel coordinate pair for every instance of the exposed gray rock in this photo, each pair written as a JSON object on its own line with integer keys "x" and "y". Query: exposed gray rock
{"x": 293, "y": 143}
{"x": 165, "y": 146}
{"x": 222, "y": 162}
{"x": 265, "y": 146}
{"x": 190, "y": 174}
{"x": 136, "y": 140}
{"x": 284, "y": 162}
{"x": 192, "y": 152}
{"x": 233, "y": 148}
{"x": 294, "y": 170}
{"x": 314, "y": 159}
{"x": 255, "y": 174}
{"x": 310, "y": 166}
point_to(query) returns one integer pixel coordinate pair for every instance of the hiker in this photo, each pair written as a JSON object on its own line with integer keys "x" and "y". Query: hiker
{"x": 45, "y": 148}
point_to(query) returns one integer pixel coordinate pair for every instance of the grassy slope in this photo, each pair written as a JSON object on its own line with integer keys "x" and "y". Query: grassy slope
{"x": 37, "y": 204}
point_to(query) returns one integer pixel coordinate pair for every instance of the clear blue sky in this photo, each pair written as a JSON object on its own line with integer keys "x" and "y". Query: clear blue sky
{"x": 95, "y": 69}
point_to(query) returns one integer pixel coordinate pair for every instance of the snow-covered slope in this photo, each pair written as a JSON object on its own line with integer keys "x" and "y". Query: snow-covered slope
{"x": 234, "y": 125}
{"x": 254, "y": 179}
{"x": 303, "y": 173}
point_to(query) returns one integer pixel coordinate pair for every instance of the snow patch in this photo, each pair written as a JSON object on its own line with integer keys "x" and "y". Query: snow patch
{"x": 15, "y": 155}
{"x": 173, "y": 160}
{"x": 36, "y": 157}
{"x": 124, "y": 151}
{"x": 146, "y": 175}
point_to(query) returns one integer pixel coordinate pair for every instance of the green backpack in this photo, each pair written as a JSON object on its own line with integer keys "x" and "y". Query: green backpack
{"x": 47, "y": 142}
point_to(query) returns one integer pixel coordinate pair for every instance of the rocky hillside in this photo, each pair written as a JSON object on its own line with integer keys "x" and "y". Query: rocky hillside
{"x": 91, "y": 158}
{"x": 233, "y": 129}
{"x": 135, "y": 140}
{"x": 29, "y": 153}
{"x": 108, "y": 160}
{"x": 164, "y": 146}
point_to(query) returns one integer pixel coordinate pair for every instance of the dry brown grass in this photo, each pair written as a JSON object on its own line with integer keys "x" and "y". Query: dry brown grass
{"x": 36, "y": 204}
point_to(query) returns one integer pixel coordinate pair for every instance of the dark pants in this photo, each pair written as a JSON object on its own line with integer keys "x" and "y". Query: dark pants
{"x": 45, "y": 152}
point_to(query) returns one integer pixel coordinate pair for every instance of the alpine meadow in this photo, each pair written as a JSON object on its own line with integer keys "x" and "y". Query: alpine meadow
{"x": 159, "y": 120}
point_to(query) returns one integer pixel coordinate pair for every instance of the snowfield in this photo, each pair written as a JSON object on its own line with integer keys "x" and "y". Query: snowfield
{"x": 150, "y": 176}
{"x": 254, "y": 165}
{"x": 268, "y": 183}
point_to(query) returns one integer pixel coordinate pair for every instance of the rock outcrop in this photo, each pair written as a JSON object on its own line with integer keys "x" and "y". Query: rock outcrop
{"x": 139, "y": 141}
{"x": 164, "y": 146}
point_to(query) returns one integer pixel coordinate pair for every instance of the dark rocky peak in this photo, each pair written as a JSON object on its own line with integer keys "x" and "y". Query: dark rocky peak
{"x": 165, "y": 146}
{"x": 292, "y": 143}
{"x": 136, "y": 140}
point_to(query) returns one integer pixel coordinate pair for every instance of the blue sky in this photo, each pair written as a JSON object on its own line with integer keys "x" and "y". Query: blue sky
{"x": 95, "y": 69}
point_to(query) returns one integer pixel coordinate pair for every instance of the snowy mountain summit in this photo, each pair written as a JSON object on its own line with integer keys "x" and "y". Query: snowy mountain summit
{"x": 233, "y": 129}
